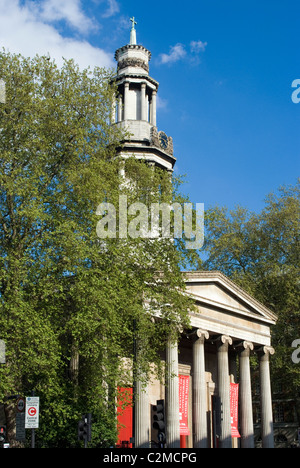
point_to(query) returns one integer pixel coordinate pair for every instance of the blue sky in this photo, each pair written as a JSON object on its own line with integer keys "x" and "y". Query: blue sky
{"x": 225, "y": 70}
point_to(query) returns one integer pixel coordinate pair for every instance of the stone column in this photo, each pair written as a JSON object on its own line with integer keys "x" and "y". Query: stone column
{"x": 267, "y": 432}
{"x": 126, "y": 100}
{"x": 120, "y": 108}
{"x": 224, "y": 390}
{"x": 172, "y": 396}
{"x": 143, "y": 102}
{"x": 246, "y": 410}
{"x": 153, "y": 108}
{"x": 142, "y": 416}
{"x": 147, "y": 109}
{"x": 113, "y": 110}
{"x": 199, "y": 391}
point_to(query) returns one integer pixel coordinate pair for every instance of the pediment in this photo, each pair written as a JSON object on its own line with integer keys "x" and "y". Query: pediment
{"x": 212, "y": 289}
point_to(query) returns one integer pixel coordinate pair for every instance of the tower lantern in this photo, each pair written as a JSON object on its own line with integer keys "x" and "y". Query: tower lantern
{"x": 136, "y": 106}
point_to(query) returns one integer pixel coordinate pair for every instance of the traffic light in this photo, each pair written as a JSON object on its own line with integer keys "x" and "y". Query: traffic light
{"x": 217, "y": 412}
{"x": 159, "y": 421}
{"x": 85, "y": 428}
{"x": 2, "y": 433}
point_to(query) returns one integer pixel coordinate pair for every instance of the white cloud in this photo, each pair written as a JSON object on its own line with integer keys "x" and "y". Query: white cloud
{"x": 198, "y": 46}
{"x": 58, "y": 10}
{"x": 177, "y": 52}
{"x": 113, "y": 8}
{"x": 27, "y": 28}
{"x": 161, "y": 103}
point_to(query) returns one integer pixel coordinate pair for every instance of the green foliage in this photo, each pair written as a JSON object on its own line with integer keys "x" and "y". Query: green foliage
{"x": 72, "y": 304}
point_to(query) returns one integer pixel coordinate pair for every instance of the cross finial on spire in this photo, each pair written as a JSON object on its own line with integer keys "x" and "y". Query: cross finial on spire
{"x": 133, "y": 31}
{"x": 133, "y": 22}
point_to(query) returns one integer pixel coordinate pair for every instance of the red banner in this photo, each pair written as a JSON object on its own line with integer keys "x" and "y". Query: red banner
{"x": 184, "y": 382}
{"x": 234, "y": 405}
{"x": 124, "y": 416}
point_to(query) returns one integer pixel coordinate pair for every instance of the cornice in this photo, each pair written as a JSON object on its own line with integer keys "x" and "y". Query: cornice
{"x": 146, "y": 149}
{"x": 132, "y": 47}
{"x": 123, "y": 77}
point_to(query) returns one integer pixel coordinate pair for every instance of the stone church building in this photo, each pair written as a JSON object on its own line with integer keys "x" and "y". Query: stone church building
{"x": 206, "y": 406}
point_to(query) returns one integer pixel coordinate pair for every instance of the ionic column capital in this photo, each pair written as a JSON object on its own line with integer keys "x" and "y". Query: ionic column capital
{"x": 202, "y": 334}
{"x": 265, "y": 351}
{"x": 245, "y": 347}
{"x": 224, "y": 340}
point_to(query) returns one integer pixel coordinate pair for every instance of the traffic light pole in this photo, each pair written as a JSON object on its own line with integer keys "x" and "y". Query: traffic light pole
{"x": 134, "y": 383}
{"x": 32, "y": 430}
{"x": 32, "y": 438}
{"x": 2, "y": 361}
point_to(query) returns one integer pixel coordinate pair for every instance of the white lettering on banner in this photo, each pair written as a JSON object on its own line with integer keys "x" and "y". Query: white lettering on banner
{"x": 183, "y": 404}
{"x": 234, "y": 395}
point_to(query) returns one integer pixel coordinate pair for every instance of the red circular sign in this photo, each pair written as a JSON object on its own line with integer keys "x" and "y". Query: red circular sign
{"x": 32, "y": 411}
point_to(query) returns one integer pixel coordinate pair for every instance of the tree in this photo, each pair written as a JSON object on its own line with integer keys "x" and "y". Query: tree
{"x": 71, "y": 303}
{"x": 261, "y": 252}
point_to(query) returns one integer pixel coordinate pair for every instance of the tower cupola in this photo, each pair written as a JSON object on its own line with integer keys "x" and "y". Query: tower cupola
{"x": 135, "y": 108}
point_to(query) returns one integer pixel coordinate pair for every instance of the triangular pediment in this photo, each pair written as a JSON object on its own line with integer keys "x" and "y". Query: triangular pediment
{"x": 215, "y": 290}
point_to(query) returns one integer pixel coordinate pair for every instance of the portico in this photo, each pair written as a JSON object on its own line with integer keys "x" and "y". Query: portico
{"x": 228, "y": 326}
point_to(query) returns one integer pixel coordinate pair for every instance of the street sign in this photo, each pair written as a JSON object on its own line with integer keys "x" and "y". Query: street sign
{"x": 21, "y": 405}
{"x": 32, "y": 413}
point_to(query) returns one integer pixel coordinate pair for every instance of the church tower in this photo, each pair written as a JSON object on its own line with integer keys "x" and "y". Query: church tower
{"x": 136, "y": 105}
